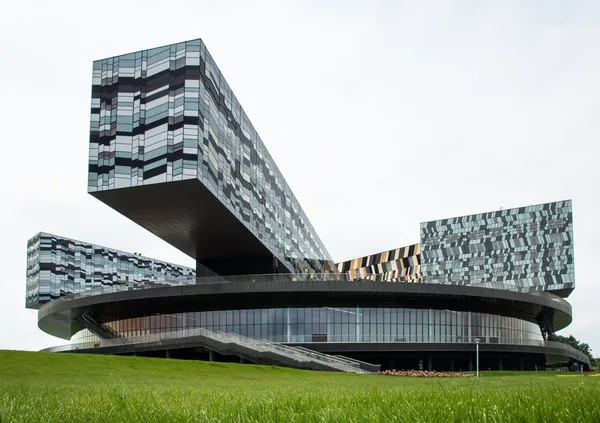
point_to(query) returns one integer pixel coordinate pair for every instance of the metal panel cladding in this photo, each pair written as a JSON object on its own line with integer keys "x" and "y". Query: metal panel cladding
{"x": 58, "y": 266}
{"x": 167, "y": 114}
{"x": 528, "y": 247}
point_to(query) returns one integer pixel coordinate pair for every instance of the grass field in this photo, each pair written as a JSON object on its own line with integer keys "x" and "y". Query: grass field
{"x": 43, "y": 387}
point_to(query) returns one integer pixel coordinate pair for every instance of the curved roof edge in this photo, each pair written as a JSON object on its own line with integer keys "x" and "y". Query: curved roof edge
{"x": 60, "y": 317}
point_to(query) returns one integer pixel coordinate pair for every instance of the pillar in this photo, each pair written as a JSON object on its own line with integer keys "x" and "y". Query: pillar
{"x": 211, "y": 355}
{"x": 452, "y": 363}
{"x": 429, "y": 363}
{"x": 168, "y": 354}
{"x": 242, "y": 361}
{"x": 522, "y": 363}
{"x": 542, "y": 361}
{"x": 358, "y": 333}
{"x": 470, "y": 362}
{"x": 288, "y": 326}
{"x": 500, "y": 362}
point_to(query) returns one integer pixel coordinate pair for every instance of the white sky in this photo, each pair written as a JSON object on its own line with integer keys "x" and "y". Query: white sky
{"x": 380, "y": 114}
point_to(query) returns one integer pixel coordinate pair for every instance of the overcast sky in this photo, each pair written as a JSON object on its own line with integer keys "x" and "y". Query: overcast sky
{"x": 380, "y": 115}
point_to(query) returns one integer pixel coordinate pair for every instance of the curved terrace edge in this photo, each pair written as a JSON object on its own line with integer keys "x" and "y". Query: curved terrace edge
{"x": 59, "y": 317}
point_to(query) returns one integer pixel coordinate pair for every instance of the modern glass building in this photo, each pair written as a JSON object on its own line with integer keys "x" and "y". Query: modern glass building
{"x": 337, "y": 324}
{"x": 59, "y": 267}
{"x": 530, "y": 248}
{"x": 164, "y": 123}
{"x": 172, "y": 149}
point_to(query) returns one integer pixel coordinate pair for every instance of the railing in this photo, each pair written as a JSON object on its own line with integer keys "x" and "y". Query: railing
{"x": 307, "y": 339}
{"x": 418, "y": 339}
{"x": 303, "y": 354}
{"x": 292, "y": 277}
{"x": 361, "y": 364}
{"x": 287, "y": 350}
{"x": 100, "y": 329}
{"x": 222, "y": 337}
{"x": 575, "y": 352}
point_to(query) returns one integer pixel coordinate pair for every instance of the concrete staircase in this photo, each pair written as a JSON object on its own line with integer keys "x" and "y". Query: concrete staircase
{"x": 249, "y": 349}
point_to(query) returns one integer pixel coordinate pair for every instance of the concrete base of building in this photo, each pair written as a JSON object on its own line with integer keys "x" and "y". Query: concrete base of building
{"x": 453, "y": 361}
{"x": 394, "y": 360}
{"x": 424, "y": 356}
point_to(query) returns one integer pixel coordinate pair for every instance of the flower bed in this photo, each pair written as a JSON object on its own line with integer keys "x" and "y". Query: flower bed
{"x": 424, "y": 373}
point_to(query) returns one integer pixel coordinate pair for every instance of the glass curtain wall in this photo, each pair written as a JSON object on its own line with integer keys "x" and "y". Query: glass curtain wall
{"x": 336, "y": 324}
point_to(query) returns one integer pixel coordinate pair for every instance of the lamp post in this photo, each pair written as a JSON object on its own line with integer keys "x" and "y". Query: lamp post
{"x": 477, "y": 355}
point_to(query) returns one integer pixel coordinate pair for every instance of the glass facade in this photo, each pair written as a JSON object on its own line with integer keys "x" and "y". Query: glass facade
{"x": 336, "y": 324}
{"x": 167, "y": 114}
{"x": 399, "y": 265}
{"x": 528, "y": 247}
{"x": 59, "y": 266}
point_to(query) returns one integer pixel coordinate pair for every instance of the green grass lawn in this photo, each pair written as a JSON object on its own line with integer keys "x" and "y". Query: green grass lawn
{"x": 43, "y": 387}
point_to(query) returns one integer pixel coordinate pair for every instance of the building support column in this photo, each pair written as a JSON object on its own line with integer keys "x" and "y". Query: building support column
{"x": 289, "y": 328}
{"x": 452, "y": 363}
{"x": 470, "y": 363}
{"x": 358, "y": 334}
{"x": 211, "y": 355}
{"x": 168, "y": 354}
{"x": 500, "y": 362}
{"x": 522, "y": 363}
{"x": 542, "y": 361}
{"x": 242, "y": 360}
{"x": 429, "y": 363}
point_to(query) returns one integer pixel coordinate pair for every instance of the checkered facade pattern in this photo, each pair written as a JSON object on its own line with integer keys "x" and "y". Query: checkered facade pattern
{"x": 58, "y": 266}
{"x": 530, "y": 248}
{"x": 167, "y": 114}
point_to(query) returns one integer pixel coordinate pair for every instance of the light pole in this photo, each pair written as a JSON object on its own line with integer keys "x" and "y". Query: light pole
{"x": 477, "y": 355}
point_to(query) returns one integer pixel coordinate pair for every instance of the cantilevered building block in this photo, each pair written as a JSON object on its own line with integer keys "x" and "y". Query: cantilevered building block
{"x": 172, "y": 149}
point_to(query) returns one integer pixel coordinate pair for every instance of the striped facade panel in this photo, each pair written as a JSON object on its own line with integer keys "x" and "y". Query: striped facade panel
{"x": 400, "y": 265}
{"x": 530, "y": 248}
{"x": 58, "y": 266}
{"x": 168, "y": 114}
